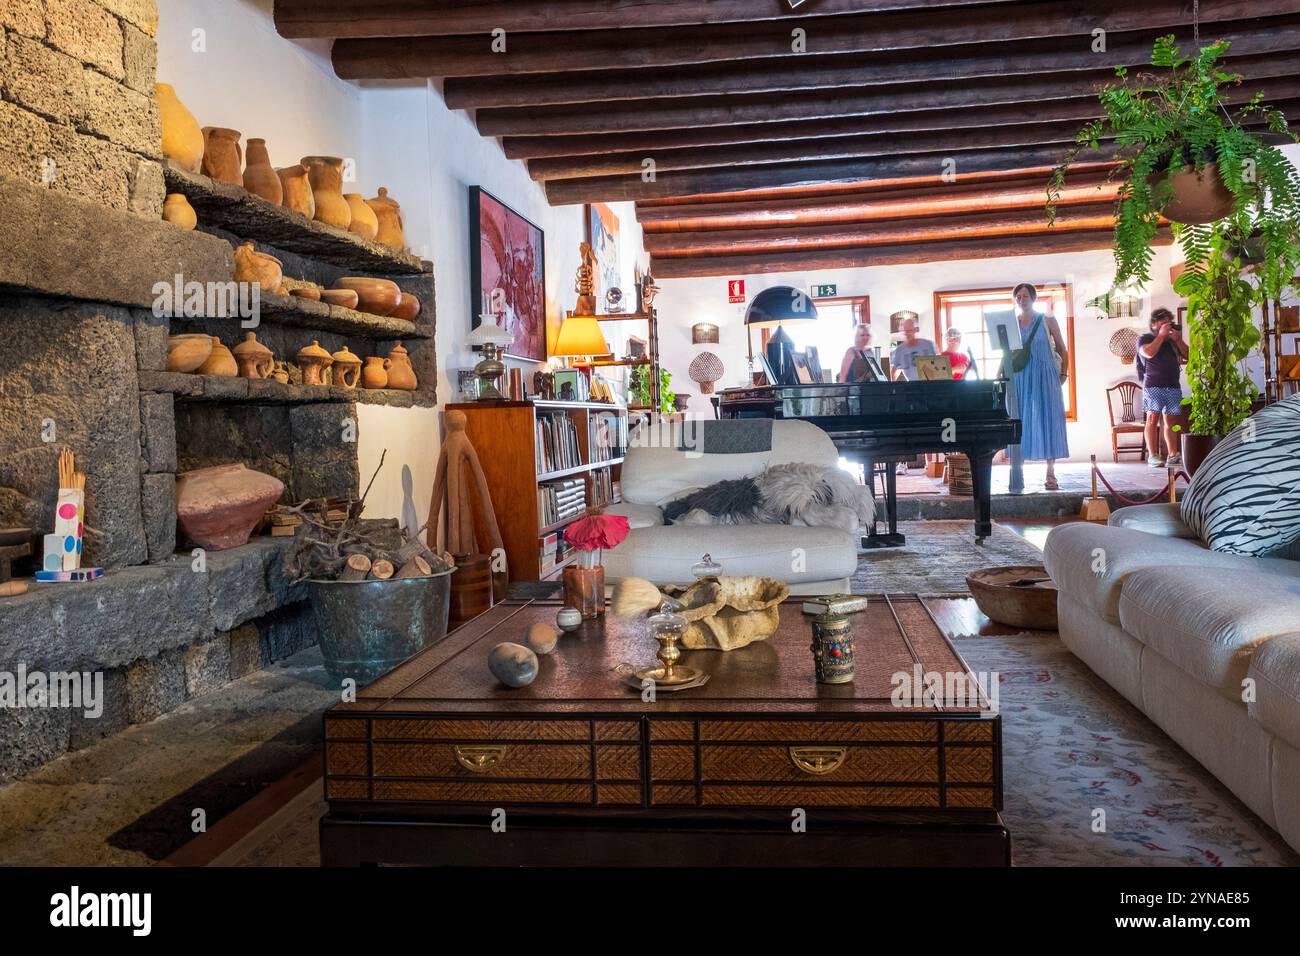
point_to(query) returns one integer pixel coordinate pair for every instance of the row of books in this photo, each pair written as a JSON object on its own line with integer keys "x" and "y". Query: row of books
{"x": 561, "y": 500}
{"x": 605, "y": 437}
{"x": 557, "y": 443}
{"x": 604, "y": 489}
{"x": 553, "y": 551}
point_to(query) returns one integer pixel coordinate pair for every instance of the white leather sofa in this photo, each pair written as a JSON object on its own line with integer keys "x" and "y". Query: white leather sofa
{"x": 1206, "y": 644}
{"x": 657, "y": 470}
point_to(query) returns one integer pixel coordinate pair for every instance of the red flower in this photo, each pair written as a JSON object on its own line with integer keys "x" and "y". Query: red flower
{"x": 597, "y": 531}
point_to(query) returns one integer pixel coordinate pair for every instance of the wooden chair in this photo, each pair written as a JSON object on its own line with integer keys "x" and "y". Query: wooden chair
{"x": 1126, "y": 399}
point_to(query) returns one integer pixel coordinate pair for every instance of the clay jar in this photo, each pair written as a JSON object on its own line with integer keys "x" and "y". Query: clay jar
{"x": 260, "y": 177}
{"x": 400, "y": 373}
{"x": 217, "y": 508}
{"x": 178, "y": 211}
{"x": 392, "y": 229}
{"x": 346, "y": 370}
{"x": 364, "y": 221}
{"x": 186, "y": 352}
{"x": 376, "y": 296}
{"x": 314, "y": 360}
{"x": 220, "y": 362}
{"x": 375, "y": 374}
{"x": 222, "y": 158}
{"x": 408, "y": 308}
{"x": 295, "y": 190}
{"x": 254, "y": 359}
{"x": 182, "y": 138}
{"x": 254, "y": 266}
{"x": 326, "y": 175}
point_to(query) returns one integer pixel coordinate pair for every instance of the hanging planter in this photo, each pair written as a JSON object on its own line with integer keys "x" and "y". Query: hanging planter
{"x": 1195, "y": 196}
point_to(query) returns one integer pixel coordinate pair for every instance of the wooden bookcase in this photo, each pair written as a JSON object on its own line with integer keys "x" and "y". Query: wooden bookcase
{"x": 505, "y": 436}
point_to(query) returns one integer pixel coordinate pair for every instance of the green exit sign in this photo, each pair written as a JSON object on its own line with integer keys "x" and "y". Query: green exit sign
{"x": 824, "y": 291}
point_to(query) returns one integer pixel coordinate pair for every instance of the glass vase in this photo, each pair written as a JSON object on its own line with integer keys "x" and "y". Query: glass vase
{"x": 584, "y": 589}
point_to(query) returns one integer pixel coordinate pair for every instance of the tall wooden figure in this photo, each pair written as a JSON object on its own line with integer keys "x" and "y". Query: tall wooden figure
{"x": 480, "y": 566}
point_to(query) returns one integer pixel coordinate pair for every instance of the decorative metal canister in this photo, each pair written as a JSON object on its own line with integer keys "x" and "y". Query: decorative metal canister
{"x": 832, "y": 649}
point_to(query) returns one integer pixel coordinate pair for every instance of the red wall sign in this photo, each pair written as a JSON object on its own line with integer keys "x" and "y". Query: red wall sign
{"x": 736, "y": 290}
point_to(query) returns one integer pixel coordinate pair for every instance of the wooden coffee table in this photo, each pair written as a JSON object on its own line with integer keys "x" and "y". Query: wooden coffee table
{"x": 760, "y": 766}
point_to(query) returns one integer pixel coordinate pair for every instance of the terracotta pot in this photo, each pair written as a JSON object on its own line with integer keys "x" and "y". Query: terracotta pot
{"x": 408, "y": 308}
{"x": 392, "y": 228}
{"x": 260, "y": 177}
{"x": 376, "y": 296}
{"x": 222, "y": 158}
{"x": 326, "y": 175}
{"x": 314, "y": 360}
{"x": 254, "y": 359}
{"x": 295, "y": 190}
{"x": 308, "y": 292}
{"x": 185, "y": 353}
{"x": 182, "y": 138}
{"x": 254, "y": 266}
{"x": 1196, "y": 448}
{"x": 375, "y": 374}
{"x": 178, "y": 211}
{"x": 343, "y": 298}
{"x": 364, "y": 221}
{"x": 400, "y": 373}
{"x": 220, "y": 362}
{"x": 346, "y": 370}
{"x": 1198, "y": 197}
{"x": 217, "y": 508}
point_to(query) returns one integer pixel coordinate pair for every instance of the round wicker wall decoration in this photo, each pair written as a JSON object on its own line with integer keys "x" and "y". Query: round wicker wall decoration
{"x": 1124, "y": 344}
{"x": 706, "y": 368}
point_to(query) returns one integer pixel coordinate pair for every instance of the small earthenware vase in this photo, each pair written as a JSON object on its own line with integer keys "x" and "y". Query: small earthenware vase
{"x": 364, "y": 221}
{"x": 187, "y": 351}
{"x": 314, "y": 360}
{"x": 375, "y": 374}
{"x": 326, "y": 175}
{"x": 178, "y": 211}
{"x": 220, "y": 362}
{"x": 392, "y": 228}
{"x": 182, "y": 138}
{"x": 346, "y": 370}
{"x": 222, "y": 158}
{"x": 584, "y": 590}
{"x": 254, "y": 359}
{"x": 258, "y": 267}
{"x": 400, "y": 373}
{"x": 260, "y": 177}
{"x": 295, "y": 190}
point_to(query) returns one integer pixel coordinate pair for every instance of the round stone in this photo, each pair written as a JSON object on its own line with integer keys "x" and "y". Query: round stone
{"x": 541, "y": 638}
{"x": 569, "y": 619}
{"x": 513, "y": 664}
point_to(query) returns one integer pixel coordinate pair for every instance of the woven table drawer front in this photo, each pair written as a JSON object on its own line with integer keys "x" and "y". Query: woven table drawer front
{"x": 346, "y": 727}
{"x": 618, "y": 762}
{"x": 820, "y": 731}
{"x": 817, "y": 764}
{"x": 487, "y": 791}
{"x": 493, "y": 731}
{"x": 483, "y": 761}
{"x": 969, "y": 765}
{"x": 346, "y": 759}
{"x": 672, "y": 762}
{"x": 847, "y": 798}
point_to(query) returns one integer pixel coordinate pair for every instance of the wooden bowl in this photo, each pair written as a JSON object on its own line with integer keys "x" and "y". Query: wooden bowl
{"x": 187, "y": 352}
{"x": 408, "y": 308}
{"x": 343, "y": 298}
{"x": 1030, "y": 606}
{"x": 376, "y": 296}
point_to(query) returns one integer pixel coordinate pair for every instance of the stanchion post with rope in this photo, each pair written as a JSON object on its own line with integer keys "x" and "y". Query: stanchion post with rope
{"x": 1094, "y": 507}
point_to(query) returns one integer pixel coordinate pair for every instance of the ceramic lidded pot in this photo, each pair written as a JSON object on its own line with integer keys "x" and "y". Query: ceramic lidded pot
{"x": 217, "y": 508}
{"x": 400, "y": 373}
{"x": 182, "y": 138}
{"x": 178, "y": 211}
{"x": 392, "y": 228}
{"x": 258, "y": 267}
{"x": 187, "y": 351}
{"x": 260, "y": 177}
{"x": 364, "y": 221}
{"x": 314, "y": 360}
{"x": 376, "y": 296}
{"x": 326, "y": 175}
{"x": 220, "y": 362}
{"x": 375, "y": 374}
{"x": 222, "y": 158}
{"x": 346, "y": 371}
{"x": 254, "y": 359}
{"x": 295, "y": 189}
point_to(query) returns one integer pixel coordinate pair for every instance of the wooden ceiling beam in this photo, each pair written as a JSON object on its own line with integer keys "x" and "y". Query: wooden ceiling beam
{"x": 784, "y": 74}
{"x": 409, "y": 57}
{"x": 901, "y": 254}
{"x": 301, "y": 19}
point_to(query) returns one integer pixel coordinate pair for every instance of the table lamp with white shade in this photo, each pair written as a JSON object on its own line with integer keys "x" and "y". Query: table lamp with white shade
{"x": 492, "y": 339}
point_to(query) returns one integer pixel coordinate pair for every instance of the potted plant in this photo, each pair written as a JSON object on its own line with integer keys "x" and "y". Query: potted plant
{"x": 1184, "y": 157}
{"x": 639, "y": 388}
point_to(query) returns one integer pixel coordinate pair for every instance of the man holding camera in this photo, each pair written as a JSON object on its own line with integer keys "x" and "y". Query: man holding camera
{"x": 1160, "y": 353}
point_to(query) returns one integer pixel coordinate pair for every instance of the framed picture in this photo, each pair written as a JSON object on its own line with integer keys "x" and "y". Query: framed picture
{"x": 636, "y": 347}
{"x": 814, "y": 364}
{"x": 570, "y": 385}
{"x": 603, "y": 226}
{"x": 802, "y": 371}
{"x": 507, "y": 273}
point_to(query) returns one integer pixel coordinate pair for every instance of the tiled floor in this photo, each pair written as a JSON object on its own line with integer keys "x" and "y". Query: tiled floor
{"x": 1073, "y": 477}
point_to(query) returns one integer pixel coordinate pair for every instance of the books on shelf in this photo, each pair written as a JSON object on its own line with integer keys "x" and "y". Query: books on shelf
{"x": 602, "y": 487}
{"x": 557, "y": 443}
{"x": 605, "y": 436}
{"x": 561, "y": 500}
{"x": 553, "y": 551}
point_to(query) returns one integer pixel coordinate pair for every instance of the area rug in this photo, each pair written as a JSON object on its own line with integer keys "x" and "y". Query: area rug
{"x": 937, "y": 557}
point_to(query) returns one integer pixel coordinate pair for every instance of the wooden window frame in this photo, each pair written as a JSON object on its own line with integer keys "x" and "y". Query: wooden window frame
{"x": 861, "y": 311}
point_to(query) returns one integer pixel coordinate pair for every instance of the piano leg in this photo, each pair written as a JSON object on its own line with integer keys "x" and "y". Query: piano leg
{"x": 891, "y": 538}
{"x": 981, "y": 479}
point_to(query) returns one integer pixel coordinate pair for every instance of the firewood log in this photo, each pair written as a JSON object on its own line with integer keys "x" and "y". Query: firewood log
{"x": 417, "y": 567}
{"x": 382, "y": 570}
{"x": 355, "y": 569}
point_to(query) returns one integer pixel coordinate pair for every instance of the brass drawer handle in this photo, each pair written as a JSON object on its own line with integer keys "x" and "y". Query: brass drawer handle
{"x": 818, "y": 760}
{"x": 480, "y": 759}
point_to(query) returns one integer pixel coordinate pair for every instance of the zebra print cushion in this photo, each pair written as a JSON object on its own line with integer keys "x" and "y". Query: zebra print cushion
{"x": 1245, "y": 497}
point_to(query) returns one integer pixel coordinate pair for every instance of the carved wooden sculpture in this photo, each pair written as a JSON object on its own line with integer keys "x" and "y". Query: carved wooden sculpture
{"x": 459, "y": 477}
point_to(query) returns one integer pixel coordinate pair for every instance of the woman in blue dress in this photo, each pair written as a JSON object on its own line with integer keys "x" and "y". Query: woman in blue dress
{"x": 1038, "y": 385}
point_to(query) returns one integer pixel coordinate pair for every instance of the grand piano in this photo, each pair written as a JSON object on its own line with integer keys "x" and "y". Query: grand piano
{"x": 875, "y": 422}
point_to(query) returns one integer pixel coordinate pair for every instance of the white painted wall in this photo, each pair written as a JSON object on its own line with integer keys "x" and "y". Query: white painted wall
{"x": 251, "y": 79}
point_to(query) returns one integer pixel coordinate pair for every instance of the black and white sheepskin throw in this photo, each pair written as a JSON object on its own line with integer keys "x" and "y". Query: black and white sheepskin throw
{"x": 794, "y": 493}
